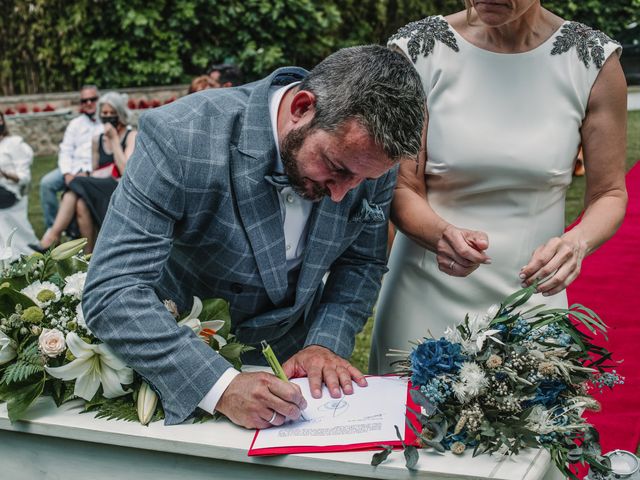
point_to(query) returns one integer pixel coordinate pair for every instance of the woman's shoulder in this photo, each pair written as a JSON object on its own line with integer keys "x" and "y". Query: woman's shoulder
{"x": 591, "y": 46}
{"x": 421, "y": 37}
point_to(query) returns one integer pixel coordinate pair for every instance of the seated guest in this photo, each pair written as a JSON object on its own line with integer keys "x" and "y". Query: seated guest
{"x": 230, "y": 76}
{"x": 225, "y": 75}
{"x": 74, "y": 158}
{"x": 87, "y": 198}
{"x": 202, "y": 82}
{"x": 15, "y": 175}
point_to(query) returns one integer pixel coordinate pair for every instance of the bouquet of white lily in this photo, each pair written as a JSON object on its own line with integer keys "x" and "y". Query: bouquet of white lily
{"x": 511, "y": 379}
{"x": 47, "y": 349}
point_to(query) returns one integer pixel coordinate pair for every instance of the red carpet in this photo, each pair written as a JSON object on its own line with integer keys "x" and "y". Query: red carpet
{"x": 610, "y": 285}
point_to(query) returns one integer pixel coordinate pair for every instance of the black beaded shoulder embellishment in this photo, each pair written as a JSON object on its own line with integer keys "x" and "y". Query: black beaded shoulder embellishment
{"x": 588, "y": 42}
{"x": 423, "y": 35}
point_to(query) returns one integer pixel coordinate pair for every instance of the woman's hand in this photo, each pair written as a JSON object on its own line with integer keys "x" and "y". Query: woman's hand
{"x": 556, "y": 264}
{"x": 110, "y": 133}
{"x": 459, "y": 251}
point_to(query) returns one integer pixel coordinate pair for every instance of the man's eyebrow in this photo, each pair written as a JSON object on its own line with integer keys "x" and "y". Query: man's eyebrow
{"x": 337, "y": 165}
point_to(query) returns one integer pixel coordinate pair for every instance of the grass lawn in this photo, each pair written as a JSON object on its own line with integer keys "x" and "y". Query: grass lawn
{"x": 360, "y": 357}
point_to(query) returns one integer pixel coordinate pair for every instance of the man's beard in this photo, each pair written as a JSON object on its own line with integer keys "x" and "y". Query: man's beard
{"x": 291, "y": 145}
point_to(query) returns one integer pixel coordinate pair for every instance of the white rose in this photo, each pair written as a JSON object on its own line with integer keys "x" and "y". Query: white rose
{"x": 51, "y": 342}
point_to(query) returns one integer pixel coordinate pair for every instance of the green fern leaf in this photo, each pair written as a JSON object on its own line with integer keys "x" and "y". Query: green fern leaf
{"x": 29, "y": 362}
{"x": 123, "y": 408}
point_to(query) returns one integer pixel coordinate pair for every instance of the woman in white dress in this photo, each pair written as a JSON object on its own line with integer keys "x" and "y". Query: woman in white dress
{"x": 512, "y": 92}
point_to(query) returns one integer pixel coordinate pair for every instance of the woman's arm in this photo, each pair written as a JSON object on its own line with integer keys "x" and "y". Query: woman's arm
{"x": 603, "y": 135}
{"x": 458, "y": 251}
{"x": 95, "y": 156}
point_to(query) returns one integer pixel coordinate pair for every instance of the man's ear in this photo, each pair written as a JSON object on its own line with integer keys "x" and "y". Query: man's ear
{"x": 302, "y": 105}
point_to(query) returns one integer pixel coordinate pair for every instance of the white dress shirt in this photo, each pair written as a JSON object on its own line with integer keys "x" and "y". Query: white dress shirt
{"x": 16, "y": 157}
{"x": 75, "y": 150}
{"x": 295, "y": 211}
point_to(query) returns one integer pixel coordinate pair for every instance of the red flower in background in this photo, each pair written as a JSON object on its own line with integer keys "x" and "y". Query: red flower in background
{"x": 48, "y": 108}
{"x": 169, "y": 100}
{"x": 36, "y": 109}
{"x": 22, "y": 108}
{"x": 9, "y": 111}
{"x": 142, "y": 103}
{"x": 154, "y": 103}
{"x": 132, "y": 104}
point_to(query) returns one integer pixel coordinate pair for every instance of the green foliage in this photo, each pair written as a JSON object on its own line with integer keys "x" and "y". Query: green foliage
{"x": 123, "y": 408}
{"x": 610, "y": 16}
{"x": 20, "y": 396}
{"x": 51, "y": 45}
{"x": 28, "y": 363}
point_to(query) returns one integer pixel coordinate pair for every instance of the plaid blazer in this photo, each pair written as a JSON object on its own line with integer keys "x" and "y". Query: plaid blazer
{"x": 194, "y": 215}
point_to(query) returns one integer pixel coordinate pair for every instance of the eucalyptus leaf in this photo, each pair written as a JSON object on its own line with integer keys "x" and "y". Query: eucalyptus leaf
{"x": 411, "y": 456}
{"x": 380, "y": 457}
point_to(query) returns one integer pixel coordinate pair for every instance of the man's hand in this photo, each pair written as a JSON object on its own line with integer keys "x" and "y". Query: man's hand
{"x": 320, "y": 364}
{"x": 251, "y": 399}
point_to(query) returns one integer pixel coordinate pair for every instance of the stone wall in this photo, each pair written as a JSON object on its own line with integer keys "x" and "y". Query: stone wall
{"x": 44, "y": 130}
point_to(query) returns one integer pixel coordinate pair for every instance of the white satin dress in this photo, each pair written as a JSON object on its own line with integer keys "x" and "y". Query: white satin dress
{"x": 503, "y": 135}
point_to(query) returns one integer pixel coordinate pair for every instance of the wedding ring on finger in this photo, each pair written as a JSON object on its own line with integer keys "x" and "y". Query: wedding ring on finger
{"x": 272, "y": 418}
{"x": 453, "y": 262}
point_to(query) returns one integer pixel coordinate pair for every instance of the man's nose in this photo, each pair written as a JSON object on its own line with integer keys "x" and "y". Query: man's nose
{"x": 339, "y": 188}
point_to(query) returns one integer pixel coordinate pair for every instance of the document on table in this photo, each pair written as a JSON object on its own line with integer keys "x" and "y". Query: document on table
{"x": 360, "y": 421}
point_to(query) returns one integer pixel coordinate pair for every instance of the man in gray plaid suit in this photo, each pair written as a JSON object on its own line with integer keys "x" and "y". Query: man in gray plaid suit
{"x": 205, "y": 209}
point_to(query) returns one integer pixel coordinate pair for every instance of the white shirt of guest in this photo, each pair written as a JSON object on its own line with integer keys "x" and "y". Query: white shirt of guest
{"x": 16, "y": 157}
{"x": 295, "y": 211}
{"x": 75, "y": 150}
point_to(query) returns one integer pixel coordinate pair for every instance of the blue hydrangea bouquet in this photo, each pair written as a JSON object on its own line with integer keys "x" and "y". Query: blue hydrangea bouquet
{"x": 511, "y": 379}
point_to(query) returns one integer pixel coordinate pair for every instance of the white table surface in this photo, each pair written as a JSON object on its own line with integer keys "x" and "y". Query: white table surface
{"x": 62, "y": 444}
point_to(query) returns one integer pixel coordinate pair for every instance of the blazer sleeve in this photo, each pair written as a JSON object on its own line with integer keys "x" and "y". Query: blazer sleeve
{"x": 354, "y": 281}
{"x": 120, "y": 303}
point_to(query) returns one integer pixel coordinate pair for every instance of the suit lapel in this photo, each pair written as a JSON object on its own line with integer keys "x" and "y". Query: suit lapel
{"x": 256, "y": 199}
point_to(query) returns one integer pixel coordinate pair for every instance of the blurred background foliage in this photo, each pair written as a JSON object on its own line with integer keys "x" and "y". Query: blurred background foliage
{"x": 58, "y": 45}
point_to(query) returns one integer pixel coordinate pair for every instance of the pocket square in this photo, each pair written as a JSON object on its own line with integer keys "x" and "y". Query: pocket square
{"x": 368, "y": 213}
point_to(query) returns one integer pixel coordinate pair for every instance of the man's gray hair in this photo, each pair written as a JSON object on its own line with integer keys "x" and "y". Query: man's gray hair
{"x": 119, "y": 103}
{"x": 90, "y": 86}
{"x": 376, "y": 86}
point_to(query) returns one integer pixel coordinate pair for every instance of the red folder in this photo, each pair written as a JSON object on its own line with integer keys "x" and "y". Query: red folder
{"x": 409, "y": 438}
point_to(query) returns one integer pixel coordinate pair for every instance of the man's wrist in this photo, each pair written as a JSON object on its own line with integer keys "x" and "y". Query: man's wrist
{"x": 211, "y": 399}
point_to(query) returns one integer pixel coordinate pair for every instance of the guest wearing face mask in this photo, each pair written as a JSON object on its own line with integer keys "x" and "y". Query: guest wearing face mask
{"x": 87, "y": 197}
{"x": 74, "y": 157}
